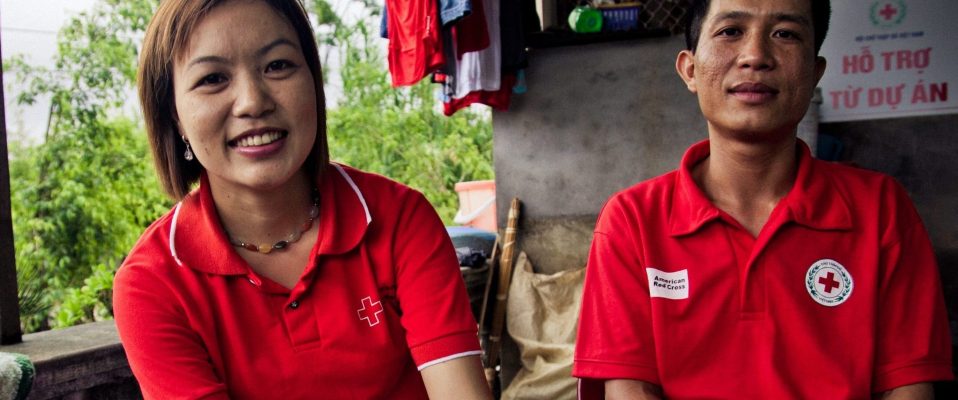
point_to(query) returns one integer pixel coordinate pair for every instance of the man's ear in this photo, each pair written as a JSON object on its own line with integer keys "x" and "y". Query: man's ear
{"x": 819, "y": 68}
{"x": 685, "y": 66}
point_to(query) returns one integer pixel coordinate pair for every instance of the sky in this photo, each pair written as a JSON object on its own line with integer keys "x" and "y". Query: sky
{"x": 29, "y": 27}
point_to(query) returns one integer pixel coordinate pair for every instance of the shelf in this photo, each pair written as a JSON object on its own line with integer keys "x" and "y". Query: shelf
{"x": 540, "y": 40}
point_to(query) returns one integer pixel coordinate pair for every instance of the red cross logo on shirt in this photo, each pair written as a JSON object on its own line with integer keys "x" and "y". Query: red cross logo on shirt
{"x": 829, "y": 282}
{"x": 370, "y": 311}
{"x": 888, "y": 12}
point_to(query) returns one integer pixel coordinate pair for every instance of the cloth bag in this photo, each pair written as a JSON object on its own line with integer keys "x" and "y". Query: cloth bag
{"x": 541, "y": 317}
{"x": 16, "y": 376}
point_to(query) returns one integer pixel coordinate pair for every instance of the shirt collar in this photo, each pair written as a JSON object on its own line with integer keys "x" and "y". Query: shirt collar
{"x": 814, "y": 200}
{"x": 197, "y": 239}
{"x": 690, "y": 209}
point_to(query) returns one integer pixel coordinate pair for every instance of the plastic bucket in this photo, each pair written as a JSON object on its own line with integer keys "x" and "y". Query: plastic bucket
{"x": 477, "y": 205}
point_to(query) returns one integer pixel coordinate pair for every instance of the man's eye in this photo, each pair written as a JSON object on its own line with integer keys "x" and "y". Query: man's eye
{"x": 278, "y": 65}
{"x": 785, "y": 35}
{"x": 729, "y": 32}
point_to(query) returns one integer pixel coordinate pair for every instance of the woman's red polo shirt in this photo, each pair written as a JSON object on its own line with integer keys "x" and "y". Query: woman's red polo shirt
{"x": 380, "y": 296}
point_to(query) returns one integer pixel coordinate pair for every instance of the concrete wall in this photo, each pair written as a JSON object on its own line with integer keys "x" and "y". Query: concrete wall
{"x": 80, "y": 362}
{"x": 920, "y": 152}
{"x": 596, "y": 119}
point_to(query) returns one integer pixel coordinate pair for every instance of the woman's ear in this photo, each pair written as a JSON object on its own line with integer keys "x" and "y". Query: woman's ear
{"x": 685, "y": 66}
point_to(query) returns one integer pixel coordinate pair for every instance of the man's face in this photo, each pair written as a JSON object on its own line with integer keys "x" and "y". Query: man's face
{"x": 755, "y": 67}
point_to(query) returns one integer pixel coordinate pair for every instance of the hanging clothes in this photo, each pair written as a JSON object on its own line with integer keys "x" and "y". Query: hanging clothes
{"x": 497, "y": 99}
{"x": 480, "y": 70}
{"x": 470, "y": 33}
{"x": 415, "y": 44}
{"x": 512, "y": 31}
{"x": 450, "y": 11}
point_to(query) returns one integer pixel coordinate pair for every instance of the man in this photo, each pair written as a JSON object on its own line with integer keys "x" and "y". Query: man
{"x": 754, "y": 270}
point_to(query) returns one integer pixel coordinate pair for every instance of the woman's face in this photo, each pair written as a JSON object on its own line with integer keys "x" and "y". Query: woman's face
{"x": 245, "y": 98}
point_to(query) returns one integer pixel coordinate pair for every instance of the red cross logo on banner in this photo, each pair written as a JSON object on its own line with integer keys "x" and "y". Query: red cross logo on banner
{"x": 888, "y": 12}
{"x": 370, "y": 311}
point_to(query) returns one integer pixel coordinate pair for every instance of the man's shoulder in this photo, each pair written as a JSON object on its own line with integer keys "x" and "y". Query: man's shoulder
{"x": 648, "y": 192}
{"x": 646, "y": 203}
{"x": 860, "y": 183}
{"x": 850, "y": 173}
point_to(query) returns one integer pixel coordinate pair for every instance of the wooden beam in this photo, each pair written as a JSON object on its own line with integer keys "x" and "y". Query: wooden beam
{"x": 10, "y": 332}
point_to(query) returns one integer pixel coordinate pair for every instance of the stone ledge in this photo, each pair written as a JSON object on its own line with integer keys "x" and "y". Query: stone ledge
{"x": 75, "y": 361}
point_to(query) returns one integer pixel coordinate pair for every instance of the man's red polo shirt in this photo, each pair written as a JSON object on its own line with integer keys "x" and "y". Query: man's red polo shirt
{"x": 381, "y": 296}
{"x": 838, "y": 296}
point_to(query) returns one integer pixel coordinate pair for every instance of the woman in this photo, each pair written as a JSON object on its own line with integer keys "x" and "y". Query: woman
{"x": 281, "y": 275}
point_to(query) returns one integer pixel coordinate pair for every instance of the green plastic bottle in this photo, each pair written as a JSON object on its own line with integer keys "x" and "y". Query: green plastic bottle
{"x": 585, "y": 19}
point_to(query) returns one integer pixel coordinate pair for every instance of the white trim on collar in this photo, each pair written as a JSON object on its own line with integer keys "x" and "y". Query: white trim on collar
{"x": 176, "y": 212}
{"x": 176, "y": 215}
{"x": 369, "y": 217}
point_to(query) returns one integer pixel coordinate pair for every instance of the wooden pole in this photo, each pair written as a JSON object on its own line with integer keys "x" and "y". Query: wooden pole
{"x": 502, "y": 295}
{"x": 493, "y": 263}
{"x": 9, "y": 304}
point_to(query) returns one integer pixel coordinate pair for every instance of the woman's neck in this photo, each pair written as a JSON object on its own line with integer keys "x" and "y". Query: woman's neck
{"x": 264, "y": 216}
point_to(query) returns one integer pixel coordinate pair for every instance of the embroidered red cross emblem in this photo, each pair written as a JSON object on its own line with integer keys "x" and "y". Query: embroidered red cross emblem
{"x": 370, "y": 311}
{"x": 829, "y": 282}
{"x": 888, "y": 11}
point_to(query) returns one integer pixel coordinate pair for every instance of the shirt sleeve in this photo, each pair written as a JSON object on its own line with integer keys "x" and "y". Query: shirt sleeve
{"x": 913, "y": 340}
{"x": 166, "y": 356}
{"x": 615, "y": 338}
{"x": 432, "y": 296}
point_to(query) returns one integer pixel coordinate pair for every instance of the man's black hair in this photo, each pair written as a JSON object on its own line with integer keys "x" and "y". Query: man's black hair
{"x": 821, "y": 12}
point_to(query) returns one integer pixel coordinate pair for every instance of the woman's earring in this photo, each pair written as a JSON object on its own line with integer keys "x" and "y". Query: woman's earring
{"x": 188, "y": 154}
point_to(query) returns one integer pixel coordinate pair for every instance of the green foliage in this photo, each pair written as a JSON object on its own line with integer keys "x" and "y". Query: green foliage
{"x": 401, "y": 133}
{"x": 92, "y": 301}
{"x": 81, "y": 198}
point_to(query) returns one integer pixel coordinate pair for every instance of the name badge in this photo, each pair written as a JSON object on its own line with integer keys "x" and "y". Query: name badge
{"x": 668, "y": 285}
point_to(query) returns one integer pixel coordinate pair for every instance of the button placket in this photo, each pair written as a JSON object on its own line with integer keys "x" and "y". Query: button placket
{"x": 300, "y": 321}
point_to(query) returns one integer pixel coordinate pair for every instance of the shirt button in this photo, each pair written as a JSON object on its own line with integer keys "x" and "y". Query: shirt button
{"x": 294, "y": 305}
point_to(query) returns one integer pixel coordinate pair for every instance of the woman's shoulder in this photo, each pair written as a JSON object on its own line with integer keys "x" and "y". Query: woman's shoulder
{"x": 152, "y": 249}
{"x": 374, "y": 186}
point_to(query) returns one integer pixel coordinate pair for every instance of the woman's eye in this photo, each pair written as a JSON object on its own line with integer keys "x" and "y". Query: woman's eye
{"x": 278, "y": 65}
{"x": 211, "y": 79}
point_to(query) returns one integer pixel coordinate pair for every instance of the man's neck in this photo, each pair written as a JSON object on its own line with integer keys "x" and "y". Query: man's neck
{"x": 747, "y": 179}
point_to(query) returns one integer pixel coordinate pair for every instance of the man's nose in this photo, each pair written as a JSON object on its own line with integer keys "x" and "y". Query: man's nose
{"x": 756, "y": 52}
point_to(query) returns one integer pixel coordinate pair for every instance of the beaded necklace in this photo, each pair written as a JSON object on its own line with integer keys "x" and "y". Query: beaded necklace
{"x": 267, "y": 248}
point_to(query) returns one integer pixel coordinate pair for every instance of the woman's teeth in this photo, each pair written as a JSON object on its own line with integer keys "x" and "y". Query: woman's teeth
{"x": 259, "y": 140}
